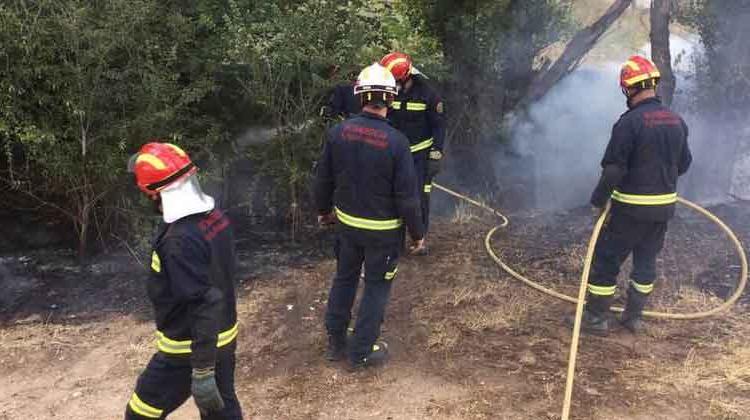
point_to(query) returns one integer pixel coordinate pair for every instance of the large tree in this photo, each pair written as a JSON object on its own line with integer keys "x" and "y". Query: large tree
{"x": 661, "y": 16}
{"x": 491, "y": 48}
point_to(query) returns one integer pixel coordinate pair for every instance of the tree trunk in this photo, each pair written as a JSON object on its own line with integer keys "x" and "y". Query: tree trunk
{"x": 661, "y": 11}
{"x": 574, "y": 52}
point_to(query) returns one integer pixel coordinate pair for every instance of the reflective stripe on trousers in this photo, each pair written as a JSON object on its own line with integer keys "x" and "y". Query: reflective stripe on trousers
{"x": 367, "y": 224}
{"x": 602, "y": 290}
{"x": 645, "y": 199}
{"x": 422, "y": 145}
{"x": 642, "y": 288}
{"x": 167, "y": 345}
{"x": 142, "y": 409}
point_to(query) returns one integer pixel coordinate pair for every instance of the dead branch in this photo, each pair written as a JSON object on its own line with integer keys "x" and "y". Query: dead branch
{"x": 574, "y": 52}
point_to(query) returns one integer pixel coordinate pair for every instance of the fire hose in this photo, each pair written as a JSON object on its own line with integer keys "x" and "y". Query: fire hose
{"x": 579, "y": 301}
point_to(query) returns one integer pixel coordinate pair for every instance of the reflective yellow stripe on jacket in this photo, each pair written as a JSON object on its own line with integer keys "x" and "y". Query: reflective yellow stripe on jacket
{"x": 410, "y": 106}
{"x": 645, "y": 200}
{"x": 367, "y": 224}
{"x": 422, "y": 145}
{"x": 167, "y": 345}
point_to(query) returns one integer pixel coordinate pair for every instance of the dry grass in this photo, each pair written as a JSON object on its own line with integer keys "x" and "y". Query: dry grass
{"x": 714, "y": 371}
{"x": 443, "y": 336}
{"x": 690, "y": 299}
{"x": 511, "y": 313}
{"x": 40, "y": 336}
{"x": 732, "y": 409}
{"x": 465, "y": 213}
{"x": 475, "y": 308}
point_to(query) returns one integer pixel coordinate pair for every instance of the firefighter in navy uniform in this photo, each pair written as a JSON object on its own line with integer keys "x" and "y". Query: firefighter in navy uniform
{"x": 646, "y": 154}
{"x": 191, "y": 287}
{"x": 341, "y": 103}
{"x": 366, "y": 182}
{"x": 418, "y": 112}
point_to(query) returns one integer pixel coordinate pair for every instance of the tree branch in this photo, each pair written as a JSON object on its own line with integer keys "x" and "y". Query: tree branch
{"x": 40, "y": 200}
{"x": 574, "y": 52}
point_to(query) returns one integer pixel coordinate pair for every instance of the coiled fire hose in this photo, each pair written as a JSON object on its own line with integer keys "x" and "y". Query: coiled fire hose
{"x": 585, "y": 278}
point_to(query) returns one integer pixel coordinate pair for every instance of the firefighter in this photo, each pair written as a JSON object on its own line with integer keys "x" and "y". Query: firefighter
{"x": 418, "y": 112}
{"x": 191, "y": 287}
{"x": 341, "y": 104}
{"x": 646, "y": 154}
{"x": 366, "y": 181}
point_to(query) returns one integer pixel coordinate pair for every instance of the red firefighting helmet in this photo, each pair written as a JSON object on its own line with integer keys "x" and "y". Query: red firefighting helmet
{"x": 639, "y": 72}
{"x": 158, "y": 165}
{"x": 399, "y": 64}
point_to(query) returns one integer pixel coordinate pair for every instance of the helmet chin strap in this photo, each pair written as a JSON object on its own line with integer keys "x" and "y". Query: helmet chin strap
{"x": 183, "y": 199}
{"x": 628, "y": 97}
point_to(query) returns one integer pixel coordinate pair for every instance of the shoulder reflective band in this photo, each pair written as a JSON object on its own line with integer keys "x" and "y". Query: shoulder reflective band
{"x": 143, "y": 409}
{"x": 391, "y": 274}
{"x": 167, "y": 345}
{"x": 367, "y": 224}
{"x": 155, "y": 262}
{"x": 645, "y": 200}
{"x": 422, "y": 145}
{"x": 416, "y": 106}
{"x": 428, "y": 188}
{"x": 642, "y": 288}
{"x": 396, "y": 104}
{"x": 602, "y": 290}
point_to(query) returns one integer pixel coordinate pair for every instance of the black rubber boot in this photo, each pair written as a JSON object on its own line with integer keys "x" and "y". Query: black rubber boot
{"x": 595, "y": 315}
{"x": 632, "y": 317}
{"x": 336, "y": 348}
{"x": 377, "y": 356}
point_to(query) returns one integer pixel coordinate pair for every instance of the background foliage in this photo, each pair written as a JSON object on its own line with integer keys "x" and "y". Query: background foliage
{"x": 85, "y": 83}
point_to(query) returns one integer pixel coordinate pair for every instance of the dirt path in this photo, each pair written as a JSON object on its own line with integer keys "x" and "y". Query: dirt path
{"x": 468, "y": 343}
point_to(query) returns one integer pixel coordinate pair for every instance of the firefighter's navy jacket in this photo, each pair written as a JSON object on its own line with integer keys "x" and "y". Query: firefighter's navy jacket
{"x": 192, "y": 287}
{"x": 647, "y": 152}
{"x": 342, "y": 103}
{"x": 418, "y": 113}
{"x": 366, "y": 174}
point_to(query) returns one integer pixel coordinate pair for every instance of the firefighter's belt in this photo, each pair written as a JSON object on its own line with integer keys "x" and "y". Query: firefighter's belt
{"x": 367, "y": 224}
{"x": 410, "y": 106}
{"x": 167, "y": 345}
{"x": 645, "y": 200}
{"x": 422, "y": 145}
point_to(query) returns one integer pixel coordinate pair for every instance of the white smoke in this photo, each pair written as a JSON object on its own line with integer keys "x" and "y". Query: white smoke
{"x": 567, "y": 132}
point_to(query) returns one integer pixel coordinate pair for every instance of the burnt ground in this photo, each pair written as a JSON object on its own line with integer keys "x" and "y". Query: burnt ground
{"x": 467, "y": 340}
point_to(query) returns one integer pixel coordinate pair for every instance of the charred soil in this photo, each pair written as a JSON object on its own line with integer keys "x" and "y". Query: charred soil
{"x": 468, "y": 341}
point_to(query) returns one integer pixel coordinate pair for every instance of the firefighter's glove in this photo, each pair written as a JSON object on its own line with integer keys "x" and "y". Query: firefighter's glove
{"x": 205, "y": 391}
{"x": 433, "y": 163}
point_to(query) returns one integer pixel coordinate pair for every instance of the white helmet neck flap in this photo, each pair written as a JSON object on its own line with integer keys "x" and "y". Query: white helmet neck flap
{"x": 184, "y": 198}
